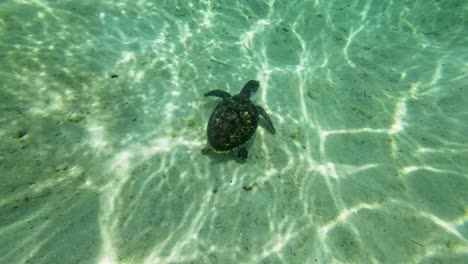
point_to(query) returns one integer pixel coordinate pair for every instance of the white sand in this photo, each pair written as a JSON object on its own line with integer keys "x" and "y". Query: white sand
{"x": 369, "y": 163}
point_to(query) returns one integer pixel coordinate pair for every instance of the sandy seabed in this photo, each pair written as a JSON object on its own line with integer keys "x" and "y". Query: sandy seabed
{"x": 102, "y": 120}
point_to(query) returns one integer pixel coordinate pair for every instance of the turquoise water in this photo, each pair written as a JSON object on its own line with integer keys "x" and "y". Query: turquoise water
{"x": 102, "y": 120}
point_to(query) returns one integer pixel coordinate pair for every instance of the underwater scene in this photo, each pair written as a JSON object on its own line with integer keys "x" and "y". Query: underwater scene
{"x": 233, "y": 131}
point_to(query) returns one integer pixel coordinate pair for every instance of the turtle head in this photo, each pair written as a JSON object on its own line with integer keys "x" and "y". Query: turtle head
{"x": 250, "y": 88}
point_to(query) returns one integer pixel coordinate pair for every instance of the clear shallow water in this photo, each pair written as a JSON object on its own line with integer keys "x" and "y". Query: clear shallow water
{"x": 369, "y": 163}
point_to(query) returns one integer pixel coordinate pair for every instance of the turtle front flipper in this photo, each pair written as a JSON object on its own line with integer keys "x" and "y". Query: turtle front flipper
{"x": 250, "y": 88}
{"x": 219, "y": 93}
{"x": 241, "y": 153}
{"x": 267, "y": 119}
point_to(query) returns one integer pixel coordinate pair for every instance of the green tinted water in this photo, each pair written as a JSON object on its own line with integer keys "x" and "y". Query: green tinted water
{"x": 103, "y": 119}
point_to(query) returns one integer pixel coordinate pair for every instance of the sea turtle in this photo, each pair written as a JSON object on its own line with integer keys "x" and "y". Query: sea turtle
{"x": 234, "y": 121}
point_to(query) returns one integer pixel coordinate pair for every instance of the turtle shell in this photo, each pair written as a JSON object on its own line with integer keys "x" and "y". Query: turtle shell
{"x": 232, "y": 123}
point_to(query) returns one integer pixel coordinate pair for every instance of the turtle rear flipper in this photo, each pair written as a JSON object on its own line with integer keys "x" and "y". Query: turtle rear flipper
{"x": 241, "y": 153}
{"x": 267, "y": 119}
{"x": 219, "y": 93}
{"x": 205, "y": 151}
